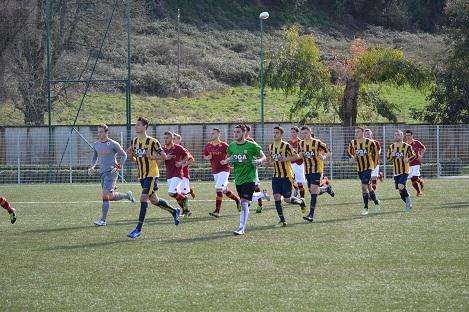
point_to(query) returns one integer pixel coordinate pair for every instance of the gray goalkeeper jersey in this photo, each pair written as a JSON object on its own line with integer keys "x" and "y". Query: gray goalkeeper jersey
{"x": 106, "y": 153}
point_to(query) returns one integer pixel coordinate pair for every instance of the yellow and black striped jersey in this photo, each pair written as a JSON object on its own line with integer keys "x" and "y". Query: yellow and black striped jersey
{"x": 277, "y": 151}
{"x": 313, "y": 150}
{"x": 400, "y": 154}
{"x": 141, "y": 150}
{"x": 365, "y": 153}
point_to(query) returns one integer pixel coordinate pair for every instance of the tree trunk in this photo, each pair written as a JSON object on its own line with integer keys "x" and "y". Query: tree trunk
{"x": 348, "y": 109}
{"x": 34, "y": 112}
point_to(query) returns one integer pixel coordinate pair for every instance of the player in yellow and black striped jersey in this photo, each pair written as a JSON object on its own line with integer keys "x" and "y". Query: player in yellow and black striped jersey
{"x": 366, "y": 156}
{"x": 280, "y": 156}
{"x": 401, "y": 153}
{"x": 145, "y": 150}
{"x": 313, "y": 152}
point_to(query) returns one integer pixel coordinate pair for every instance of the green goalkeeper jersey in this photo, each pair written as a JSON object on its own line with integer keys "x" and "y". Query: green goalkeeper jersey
{"x": 241, "y": 156}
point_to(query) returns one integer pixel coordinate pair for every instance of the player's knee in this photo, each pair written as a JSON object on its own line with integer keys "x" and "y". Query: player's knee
{"x": 277, "y": 197}
{"x": 106, "y": 196}
{"x": 314, "y": 189}
{"x": 414, "y": 179}
{"x": 401, "y": 187}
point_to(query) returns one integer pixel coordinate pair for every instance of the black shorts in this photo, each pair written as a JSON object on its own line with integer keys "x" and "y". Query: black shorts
{"x": 365, "y": 176}
{"x": 313, "y": 179}
{"x": 282, "y": 186}
{"x": 149, "y": 185}
{"x": 246, "y": 190}
{"x": 400, "y": 179}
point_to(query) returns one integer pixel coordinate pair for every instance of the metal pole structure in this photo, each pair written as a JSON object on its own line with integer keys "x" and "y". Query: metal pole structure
{"x": 128, "y": 84}
{"x": 179, "y": 52}
{"x": 438, "y": 165}
{"x": 384, "y": 149}
{"x": 331, "y": 151}
{"x": 262, "y": 81}
{"x": 49, "y": 101}
{"x": 122, "y": 169}
{"x": 18, "y": 159}
{"x": 70, "y": 158}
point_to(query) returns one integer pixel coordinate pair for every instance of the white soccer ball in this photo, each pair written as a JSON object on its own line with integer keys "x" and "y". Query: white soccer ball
{"x": 264, "y": 15}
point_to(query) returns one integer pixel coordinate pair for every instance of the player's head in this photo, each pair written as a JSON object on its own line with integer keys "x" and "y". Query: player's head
{"x": 141, "y": 125}
{"x": 103, "y": 132}
{"x": 247, "y": 131}
{"x": 408, "y": 136}
{"x": 177, "y": 138}
{"x": 239, "y": 133}
{"x": 168, "y": 138}
{"x": 306, "y": 133}
{"x": 367, "y": 133}
{"x": 215, "y": 134}
{"x": 278, "y": 133}
{"x": 294, "y": 132}
{"x": 359, "y": 132}
{"x": 398, "y": 136}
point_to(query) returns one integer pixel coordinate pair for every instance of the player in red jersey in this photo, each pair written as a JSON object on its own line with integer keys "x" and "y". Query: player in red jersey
{"x": 11, "y": 211}
{"x": 419, "y": 149}
{"x": 259, "y": 195}
{"x": 375, "y": 174}
{"x": 176, "y": 158}
{"x": 185, "y": 185}
{"x": 297, "y": 166}
{"x": 215, "y": 151}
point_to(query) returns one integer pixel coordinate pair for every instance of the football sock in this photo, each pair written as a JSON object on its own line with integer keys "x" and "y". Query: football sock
{"x": 374, "y": 183}
{"x": 322, "y": 189}
{"x": 120, "y": 196}
{"x": 218, "y": 201}
{"x": 105, "y": 210}
{"x": 163, "y": 204}
{"x": 404, "y": 194}
{"x": 278, "y": 206}
{"x": 366, "y": 196}
{"x": 141, "y": 216}
{"x": 231, "y": 195}
{"x": 420, "y": 181}
{"x": 6, "y": 205}
{"x": 191, "y": 191}
{"x": 295, "y": 200}
{"x": 180, "y": 199}
{"x": 245, "y": 214}
{"x": 302, "y": 190}
{"x": 416, "y": 184}
{"x": 373, "y": 197}
{"x": 259, "y": 200}
{"x": 312, "y": 206}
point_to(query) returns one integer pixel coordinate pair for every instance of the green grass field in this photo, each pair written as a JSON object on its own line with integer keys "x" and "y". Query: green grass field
{"x": 53, "y": 258}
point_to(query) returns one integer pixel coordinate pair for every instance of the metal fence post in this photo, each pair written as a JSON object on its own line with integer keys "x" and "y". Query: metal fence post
{"x": 70, "y": 157}
{"x": 122, "y": 169}
{"x": 18, "y": 159}
{"x": 331, "y": 173}
{"x": 438, "y": 165}
{"x": 383, "y": 150}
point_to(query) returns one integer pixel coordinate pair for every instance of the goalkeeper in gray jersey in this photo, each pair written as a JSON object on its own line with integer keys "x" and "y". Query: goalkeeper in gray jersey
{"x": 105, "y": 156}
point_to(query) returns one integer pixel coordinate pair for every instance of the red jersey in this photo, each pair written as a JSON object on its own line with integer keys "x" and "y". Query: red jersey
{"x": 417, "y": 147}
{"x": 185, "y": 170}
{"x": 295, "y": 145}
{"x": 218, "y": 152}
{"x": 179, "y": 154}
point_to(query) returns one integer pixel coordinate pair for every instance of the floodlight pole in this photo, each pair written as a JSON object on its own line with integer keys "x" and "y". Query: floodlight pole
{"x": 179, "y": 52}
{"x": 49, "y": 101}
{"x": 128, "y": 83}
{"x": 262, "y": 17}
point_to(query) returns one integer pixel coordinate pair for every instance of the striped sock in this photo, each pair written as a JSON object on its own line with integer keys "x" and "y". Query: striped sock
{"x": 6, "y": 205}
{"x": 232, "y": 195}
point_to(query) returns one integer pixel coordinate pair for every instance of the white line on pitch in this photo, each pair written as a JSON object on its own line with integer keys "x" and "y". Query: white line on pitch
{"x": 98, "y": 201}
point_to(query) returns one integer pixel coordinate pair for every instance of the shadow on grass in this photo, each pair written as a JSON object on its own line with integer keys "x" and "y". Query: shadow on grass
{"x": 455, "y": 205}
{"x": 89, "y": 245}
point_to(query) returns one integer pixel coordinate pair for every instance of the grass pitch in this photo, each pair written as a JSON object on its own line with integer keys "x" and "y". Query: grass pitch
{"x": 53, "y": 258}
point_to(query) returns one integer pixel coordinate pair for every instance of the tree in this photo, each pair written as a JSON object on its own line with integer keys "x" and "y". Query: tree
{"x": 449, "y": 99}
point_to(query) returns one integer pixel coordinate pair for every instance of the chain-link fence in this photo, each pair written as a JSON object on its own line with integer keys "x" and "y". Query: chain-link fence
{"x": 25, "y": 156}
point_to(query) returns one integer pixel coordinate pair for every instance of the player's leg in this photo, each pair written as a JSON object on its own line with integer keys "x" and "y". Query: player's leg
{"x": 314, "y": 180}
{"x": 173, "y": 191}
{"x": 277, "y": 191}
{"x": 146, "y": 185}
{"x": 414, "y": 176}
{"x": 7, "y": 206}
{"x": 300, "y": 180}
{"x": 326, "y": 187}
{"x": 108, "y": 185}
{"x": 400, "y": 181}
{"x": 245, "y": 192}
{"x": 374, "y": 178}
{"x": 162, "y": 203}
{"x": 188, "y": 187}
{"x": 287, "y": 195}
{"x": 372, "y": 189}
{"x": 365, "y": 177}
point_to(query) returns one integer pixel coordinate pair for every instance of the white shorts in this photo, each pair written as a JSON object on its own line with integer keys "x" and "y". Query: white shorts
{"x": 185, "y": 186}
{"x": 414, "y": 171}
{"x": 174, "y": 185}
{"x": 299, "y": 171}
{"x": 375, "y": 172}
{"x": 221, "y": 180}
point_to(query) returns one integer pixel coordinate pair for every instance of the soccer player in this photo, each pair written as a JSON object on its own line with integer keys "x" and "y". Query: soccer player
{"x": 281, "y": 155}
{"x": 259, "y": 194}
{"x": 11, "y": 211}
{"x": 245, "y": 156}
{"x": 375, "y": 174}
{"x": 365, "y": 153}
{"x": 185, "y": 185}
{"x": 215, "y": 152}
{"x": 401, "y": 154}
{"x": 177, "y": 157}
{"x": 419, "y": 149}
{"x": 313, "y": 152}
{"x": 298, "y": 166}
{"x": 145, "y": 151}
{"x": 105, "y": 156}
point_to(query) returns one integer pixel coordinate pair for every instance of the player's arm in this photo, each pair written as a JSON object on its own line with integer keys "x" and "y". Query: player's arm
{"x": 206, "y": 155}
{"x": 410, "y": 154}
{"x": 391, "y": 153}
{"x": 121, "y": 157}
{"x": 94, "y": 161}
{"x": 324, "y": 150}
{"x": 261, "y": 158}
{"x": 183, "y": 152}
{"x": 422, "y": 151}
{"x": 291, "y": 154}
{"x": 351, "y": 151}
